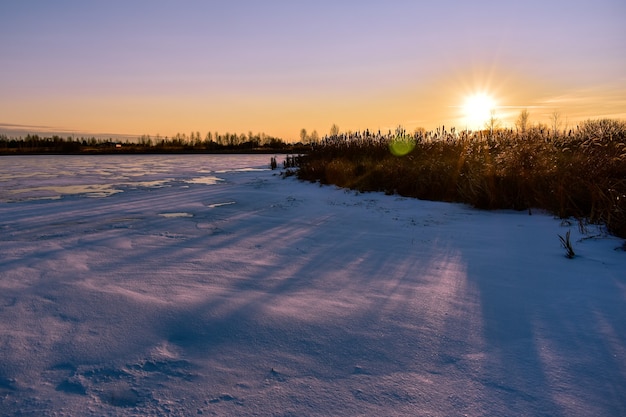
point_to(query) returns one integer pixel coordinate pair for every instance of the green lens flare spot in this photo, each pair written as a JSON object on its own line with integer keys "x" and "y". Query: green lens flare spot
{"x": 401, "y": 146}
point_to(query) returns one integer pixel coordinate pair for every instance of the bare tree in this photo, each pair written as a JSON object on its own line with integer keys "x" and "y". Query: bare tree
{"x": 303, "y": 135}
{"x": 315, "y": 137}
{"x": 555, "y": 122}
{"x": 493, "y": 123}
{"x": 522, "y": 121}
{"x": 334, "y": 131}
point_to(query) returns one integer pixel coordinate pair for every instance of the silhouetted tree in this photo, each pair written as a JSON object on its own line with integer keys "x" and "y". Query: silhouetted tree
{"x": 315, "y": 137}
{"x": 303, "y": 135}
{"x": 555, "y": 122}
{"x": 493, "y": 123}
{"x": 522, "y": 121}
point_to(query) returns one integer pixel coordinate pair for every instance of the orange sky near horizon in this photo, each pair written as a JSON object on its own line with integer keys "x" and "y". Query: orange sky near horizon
{"x": 159, "y": 68}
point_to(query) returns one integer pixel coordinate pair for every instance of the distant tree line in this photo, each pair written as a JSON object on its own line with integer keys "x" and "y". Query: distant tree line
{"x": 212, "y": 142}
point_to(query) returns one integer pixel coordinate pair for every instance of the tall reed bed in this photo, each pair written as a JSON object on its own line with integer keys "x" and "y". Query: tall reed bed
{"x": 580, "y": 174}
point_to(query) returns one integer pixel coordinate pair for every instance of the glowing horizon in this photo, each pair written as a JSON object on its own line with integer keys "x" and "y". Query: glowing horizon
{"x": 158, "y": 68}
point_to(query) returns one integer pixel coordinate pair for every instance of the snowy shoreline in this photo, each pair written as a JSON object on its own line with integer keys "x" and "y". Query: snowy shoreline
{"x": 257, "y": 295}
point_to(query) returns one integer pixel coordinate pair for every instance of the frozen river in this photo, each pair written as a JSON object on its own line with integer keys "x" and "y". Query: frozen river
{"x": 55, "y": 176}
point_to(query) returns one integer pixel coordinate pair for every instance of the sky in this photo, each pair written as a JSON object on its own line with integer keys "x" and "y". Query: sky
{"x": 155, "y": 67}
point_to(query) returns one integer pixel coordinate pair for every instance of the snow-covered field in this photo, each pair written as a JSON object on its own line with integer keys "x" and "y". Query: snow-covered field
{"x": 193, "y": 285}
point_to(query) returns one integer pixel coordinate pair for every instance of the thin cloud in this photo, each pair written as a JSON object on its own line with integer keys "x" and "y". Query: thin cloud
{"x": 18, "y": 126}
{"x": 13, "y": 129}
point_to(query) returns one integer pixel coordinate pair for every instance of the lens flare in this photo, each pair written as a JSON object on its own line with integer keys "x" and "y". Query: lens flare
{"x": 401, "y": 145}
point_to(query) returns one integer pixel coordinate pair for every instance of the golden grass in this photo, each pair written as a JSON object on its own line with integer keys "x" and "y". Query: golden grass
{"x": 580, "y": 174}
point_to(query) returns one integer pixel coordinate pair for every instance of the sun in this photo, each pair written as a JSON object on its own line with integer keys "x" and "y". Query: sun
{"x": 478, "y": 108}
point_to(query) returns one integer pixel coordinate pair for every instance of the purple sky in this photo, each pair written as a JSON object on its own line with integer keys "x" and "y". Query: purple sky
{"x": 136, "y": 67}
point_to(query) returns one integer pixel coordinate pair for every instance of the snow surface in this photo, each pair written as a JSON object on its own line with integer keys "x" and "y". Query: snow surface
{"x": 247, "y": 294}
